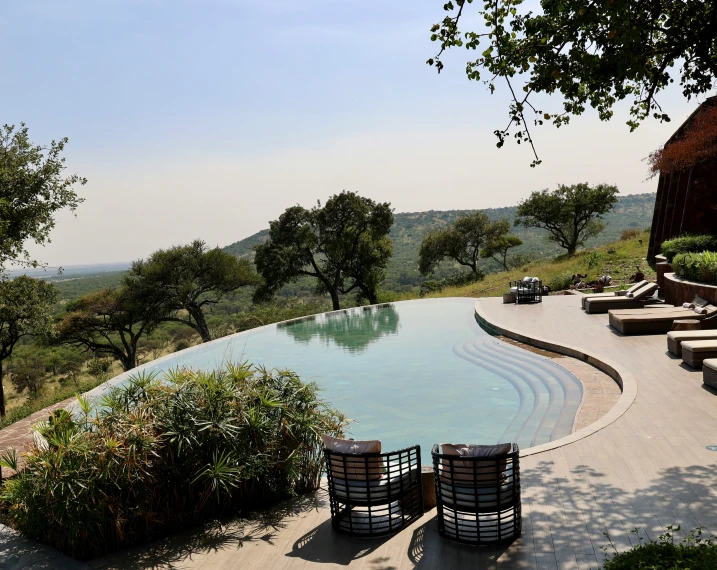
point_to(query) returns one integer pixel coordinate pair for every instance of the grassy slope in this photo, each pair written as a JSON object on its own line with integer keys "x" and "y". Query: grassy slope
{"x": 620, "y": 265}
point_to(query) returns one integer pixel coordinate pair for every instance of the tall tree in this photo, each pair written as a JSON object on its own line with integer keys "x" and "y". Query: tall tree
{"x": 590, "y": 53}
{"x": 190, "y": 278}
{"x": 344, "y": 245}
{"x": 499, "y": 243}
{"x": 32, "y": 189}
{"x": 461, "y": 242}
{"x": 570, "y": 214}
{"x": 110, "y": 321}
{"x": 24, "y": 310}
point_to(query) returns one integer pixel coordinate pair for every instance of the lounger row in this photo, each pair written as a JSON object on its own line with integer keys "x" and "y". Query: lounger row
{"x": 658, "y": 320}
{"x": 693, "y": 346}
{"x": 637, "y": 296}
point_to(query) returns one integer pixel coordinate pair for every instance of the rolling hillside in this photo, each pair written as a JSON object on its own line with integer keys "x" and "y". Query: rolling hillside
{"x": 632, "y": 212}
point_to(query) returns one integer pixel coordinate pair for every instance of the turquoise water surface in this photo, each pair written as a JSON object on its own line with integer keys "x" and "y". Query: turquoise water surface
{"x": 414, "y": 372}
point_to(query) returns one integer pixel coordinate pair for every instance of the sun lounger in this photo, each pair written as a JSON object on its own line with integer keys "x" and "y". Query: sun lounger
{"x": 655, "y": 321}
{"x": 676, "y": 338}
{"x": 638, "y": 299}
{"x": 696, "y": 351}
{"x": 614, "y": 294}
{"x": 709, "y": 372}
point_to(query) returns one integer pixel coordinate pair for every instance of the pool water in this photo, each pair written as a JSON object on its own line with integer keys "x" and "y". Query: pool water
{"x": 414, "y": 372}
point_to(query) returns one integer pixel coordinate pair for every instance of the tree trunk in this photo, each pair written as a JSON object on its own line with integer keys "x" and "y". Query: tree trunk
{"x": 335, "y": 298}
{"x": 2, "y": 394}
{"x": 202, "y": 327}
{"x": 129, "y": 360}
{"x": 371, "y": 295}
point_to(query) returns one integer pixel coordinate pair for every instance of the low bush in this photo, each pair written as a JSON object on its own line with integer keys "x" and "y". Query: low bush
{"x": 629, "y": 234}
{"x": 560, "y": 282}
{"x": 700, "y": 267}
{"x": 161, "y": 454}
{"x": 432, "y": 286}
{"x": 688, "y": 244}
{"x": 693, "y": 553}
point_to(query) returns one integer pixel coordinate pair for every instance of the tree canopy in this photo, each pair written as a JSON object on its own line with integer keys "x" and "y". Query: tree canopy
{"x": 590, "y": 53}
{"x": 500, "y": 243}
{"x": 570, "y": 214}
{"x": 110, "y": 321}
{"x": 32, "y": 189}
{"x": 461, "y": 242}
{"x": 344, "y": 245}
{"x": 190, "y": 278}
{"x": 24, "y": 310}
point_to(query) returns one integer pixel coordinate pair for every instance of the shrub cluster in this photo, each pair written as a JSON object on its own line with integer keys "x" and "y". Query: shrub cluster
{"x": 629, "y": 234}
{"x": 560, "y": 282}
{"x": 162, "y": 453}
{"x": 432, "y": 286}
{"x": 688, "y": 244}
{"x": 700, "y": 267}
{"x": 693, "y": 552}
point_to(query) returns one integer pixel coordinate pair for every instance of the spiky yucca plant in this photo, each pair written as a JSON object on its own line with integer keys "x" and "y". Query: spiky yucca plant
{"x": 162, "y": 453}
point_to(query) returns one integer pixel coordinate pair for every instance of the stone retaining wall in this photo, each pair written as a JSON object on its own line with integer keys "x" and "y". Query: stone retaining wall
{"x": 678, "y": 290}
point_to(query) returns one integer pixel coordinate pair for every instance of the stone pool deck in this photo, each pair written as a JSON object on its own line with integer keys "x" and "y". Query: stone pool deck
{"x": 644, "y": 467}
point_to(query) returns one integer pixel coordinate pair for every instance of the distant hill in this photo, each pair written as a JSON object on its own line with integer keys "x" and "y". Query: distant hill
{"x": 632, "y": 212}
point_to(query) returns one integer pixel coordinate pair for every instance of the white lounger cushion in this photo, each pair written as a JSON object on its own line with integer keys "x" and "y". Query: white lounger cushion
{"x": 700, "y": 345}
{"x": 681, "y": 336}
{"x": 376, "y": 489}
{"x": 487, "y": 496}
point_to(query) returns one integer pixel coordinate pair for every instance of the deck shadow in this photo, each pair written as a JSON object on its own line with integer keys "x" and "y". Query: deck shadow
{"x": 212, "y": 537}
{"x": 324, "y": 545}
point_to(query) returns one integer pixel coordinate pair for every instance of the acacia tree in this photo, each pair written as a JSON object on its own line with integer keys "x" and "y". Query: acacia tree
{"x": 24, "y": 310}
{"x": 590, "y": 53}
{"x": 499, "y": 243}
{"x": 191, "y": 278}
{"x": 110, "y": 321}
{"x": 570, "y": 214}
{"x": 461, "y": 242}
{"x": 32, "y": 189}
{"x": 344, "y": 245}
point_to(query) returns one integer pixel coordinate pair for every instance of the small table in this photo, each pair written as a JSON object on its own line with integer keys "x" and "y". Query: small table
{"x": 686, "y": 325}
{"x": 429, "y": 487}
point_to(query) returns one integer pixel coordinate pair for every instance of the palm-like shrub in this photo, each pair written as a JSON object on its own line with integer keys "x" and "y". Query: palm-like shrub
{"x": 163, "y": 453}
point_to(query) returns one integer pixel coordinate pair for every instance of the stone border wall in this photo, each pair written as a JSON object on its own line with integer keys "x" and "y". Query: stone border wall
{"x": 678, "y": 290}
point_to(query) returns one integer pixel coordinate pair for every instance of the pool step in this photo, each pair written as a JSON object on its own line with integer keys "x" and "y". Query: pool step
{"x": 571, "y": 387}
{"x": 549, "y": 394}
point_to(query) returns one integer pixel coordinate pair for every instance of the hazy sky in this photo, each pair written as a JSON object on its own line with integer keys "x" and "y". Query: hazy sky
{"x": 208, "y": 118}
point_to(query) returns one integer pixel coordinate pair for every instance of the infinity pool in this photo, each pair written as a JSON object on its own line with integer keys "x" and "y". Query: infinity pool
{"x": 414, "y": 372}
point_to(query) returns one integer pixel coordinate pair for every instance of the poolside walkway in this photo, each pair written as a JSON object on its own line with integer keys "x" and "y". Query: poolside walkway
{"x": 647, "y": 470}
{"x": 19, "y": 435}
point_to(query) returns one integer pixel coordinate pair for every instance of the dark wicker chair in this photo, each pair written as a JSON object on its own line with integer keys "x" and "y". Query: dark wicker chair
{"x": 478, "y": 498}
{"x": 374, "y": 494}
{"x": 527, "y": 291}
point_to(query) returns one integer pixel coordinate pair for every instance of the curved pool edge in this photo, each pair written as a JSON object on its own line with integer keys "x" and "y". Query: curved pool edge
{"x": 620, "y": 374}
{"x": 122, "y": 376}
